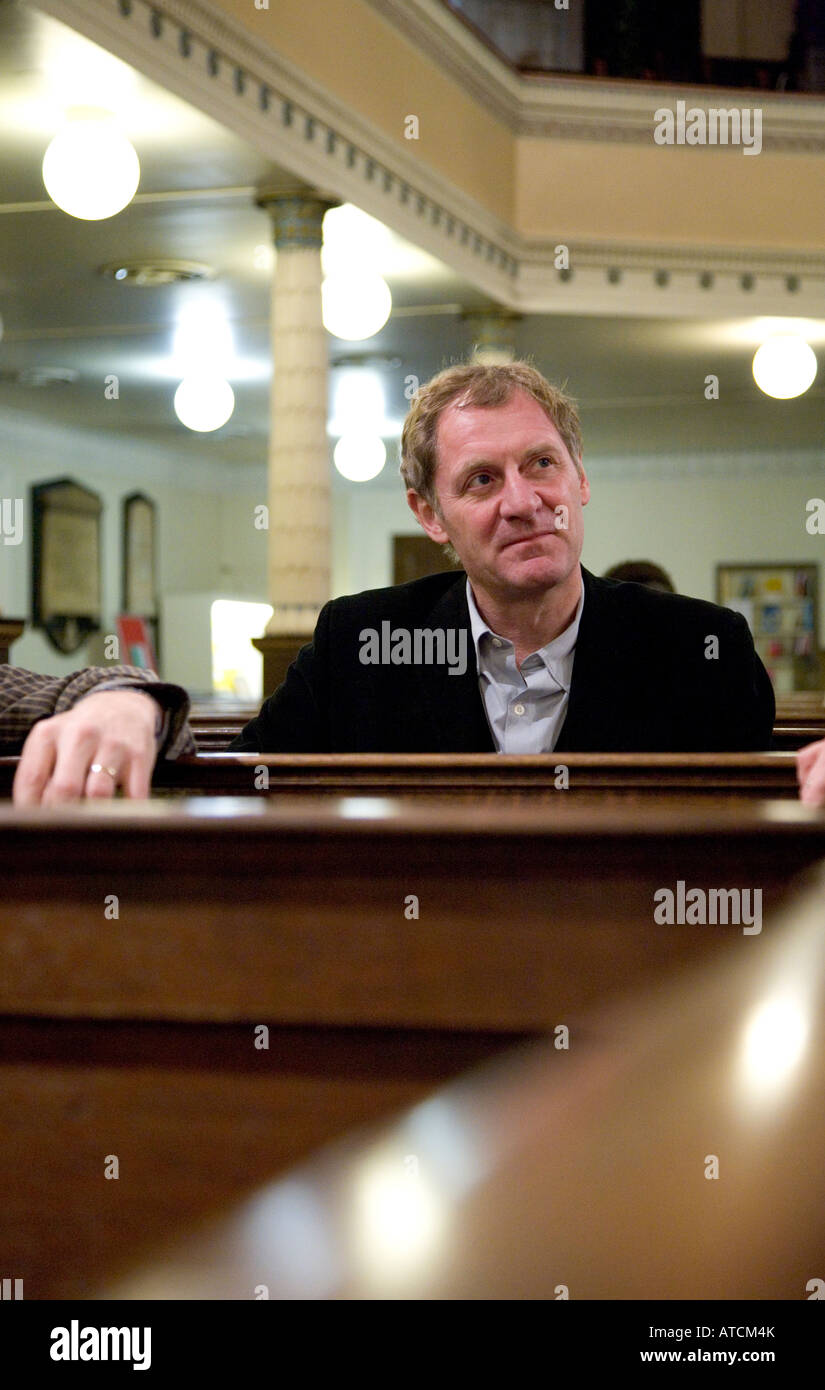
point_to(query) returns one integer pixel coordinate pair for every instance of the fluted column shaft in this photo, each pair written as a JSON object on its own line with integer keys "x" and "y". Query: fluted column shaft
{"x": 298, "y": 460}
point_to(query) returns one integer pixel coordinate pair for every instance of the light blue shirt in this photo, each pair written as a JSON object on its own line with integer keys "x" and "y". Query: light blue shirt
{"x": 525, "y": 707}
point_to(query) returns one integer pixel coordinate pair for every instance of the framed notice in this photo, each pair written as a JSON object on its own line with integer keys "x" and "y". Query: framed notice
{"x": 780, "y": 605}
{"x": 139, "y": 587}
{"x": 66, "y": 598}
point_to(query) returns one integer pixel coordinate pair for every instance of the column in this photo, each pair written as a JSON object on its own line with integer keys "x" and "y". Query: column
{"x": 298, "y": 460}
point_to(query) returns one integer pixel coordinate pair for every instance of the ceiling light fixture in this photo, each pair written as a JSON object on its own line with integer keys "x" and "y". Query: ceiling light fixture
{"x": 151, "y": 274}
{"x": 90, "y": 169}
{"x": 203, "y": 403}
{"x": 355, "y": 306}
{"x": 359, "y": 457}
{"x": 784, "y": 366}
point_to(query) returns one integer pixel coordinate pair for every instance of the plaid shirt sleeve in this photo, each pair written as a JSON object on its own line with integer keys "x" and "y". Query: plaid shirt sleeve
{"x": 26, "y": 698}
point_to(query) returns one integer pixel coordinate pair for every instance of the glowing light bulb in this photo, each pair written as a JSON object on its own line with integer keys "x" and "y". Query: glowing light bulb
{"x": 90, "y": 169}
{"x": 355, "y": 306}
{"x": 204, "y": 403}
{"x": 359, "y": 457}
{"x": 784, "y": 366}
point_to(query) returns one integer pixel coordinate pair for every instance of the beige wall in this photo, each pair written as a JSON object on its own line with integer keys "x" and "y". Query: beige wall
{"x": 546, "y": 186}
{"x": 361, "y": 59}
{"x": 690, "y": 197}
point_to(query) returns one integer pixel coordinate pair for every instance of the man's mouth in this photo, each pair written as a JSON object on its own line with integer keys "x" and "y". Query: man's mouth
{"x": 522, "y": 540}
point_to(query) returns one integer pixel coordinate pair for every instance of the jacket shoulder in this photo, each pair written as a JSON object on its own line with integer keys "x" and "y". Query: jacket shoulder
{"x": 641, "y": 605}
{"x": 417, "y": 596}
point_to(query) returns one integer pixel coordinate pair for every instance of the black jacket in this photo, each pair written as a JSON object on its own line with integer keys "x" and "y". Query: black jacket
{"x": 641, "y": 679}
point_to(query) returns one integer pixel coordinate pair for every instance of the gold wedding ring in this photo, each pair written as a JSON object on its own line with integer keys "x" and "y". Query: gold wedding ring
{"x": 100, "y": 767}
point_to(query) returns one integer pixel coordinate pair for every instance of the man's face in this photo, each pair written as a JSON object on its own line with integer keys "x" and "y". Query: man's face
{"x": 510, "y": 497}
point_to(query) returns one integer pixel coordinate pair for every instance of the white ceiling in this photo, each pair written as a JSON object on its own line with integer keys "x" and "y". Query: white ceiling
{"x": 640, "y": 382}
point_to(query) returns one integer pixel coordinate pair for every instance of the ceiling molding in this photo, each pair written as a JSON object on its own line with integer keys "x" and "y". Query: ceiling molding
{"x": 566, "y": 107}
{"x": 211, "y": 61}
{"x": 197, "y": 51}
{"x": 435, "y": 31}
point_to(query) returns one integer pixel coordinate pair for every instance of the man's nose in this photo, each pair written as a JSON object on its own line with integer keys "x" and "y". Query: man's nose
{"x": 519, "y": 495}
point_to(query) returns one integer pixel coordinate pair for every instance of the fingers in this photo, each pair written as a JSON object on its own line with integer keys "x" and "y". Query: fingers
{"x": 35, "y": 767}
{"x": 138, "y": 779}
{"x": 810, "y": 772}
{"x": 103, "y": 778}
{"x": 76, "y": 751}
{"x": 105, "y": 742}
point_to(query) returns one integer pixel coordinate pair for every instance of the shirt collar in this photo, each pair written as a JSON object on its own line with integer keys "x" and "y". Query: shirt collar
{"x": 554, "y": 654}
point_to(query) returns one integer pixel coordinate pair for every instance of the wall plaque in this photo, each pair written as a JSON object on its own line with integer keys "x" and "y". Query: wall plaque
{"x": 66, "y": 599}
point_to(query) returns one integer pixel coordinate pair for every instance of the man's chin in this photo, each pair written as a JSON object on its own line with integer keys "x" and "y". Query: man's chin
{"x": 532, "y": 571}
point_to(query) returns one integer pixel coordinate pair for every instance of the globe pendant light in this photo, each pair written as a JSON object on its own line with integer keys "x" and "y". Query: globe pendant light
{"x": 784, "y": 366}
{"x": 90, "y": 169}
{"x": 204, "y": 403}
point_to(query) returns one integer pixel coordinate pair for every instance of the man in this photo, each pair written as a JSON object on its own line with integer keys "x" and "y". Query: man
{"x": 90, "y": 732}
{"x": 526, "y": 651}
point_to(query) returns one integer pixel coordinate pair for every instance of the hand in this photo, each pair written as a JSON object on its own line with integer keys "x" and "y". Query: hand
{"x": 114, "y": 728}
{"x": 810, "y": 773}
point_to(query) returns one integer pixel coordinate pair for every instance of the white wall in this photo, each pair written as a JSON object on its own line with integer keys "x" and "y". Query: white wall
{"x": 688, "y": 513}
{"x": 203, "y": 544}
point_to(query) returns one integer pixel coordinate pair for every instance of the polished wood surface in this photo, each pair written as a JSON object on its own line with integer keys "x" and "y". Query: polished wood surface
{"x": 196, "y": 1116}
{"x": 471, "y": 775}
{"x": 294, "y": 908}
{"x": 135, "y": 1035}
{"x": 585, "y": 1173}
{"x": 803, "y": 705}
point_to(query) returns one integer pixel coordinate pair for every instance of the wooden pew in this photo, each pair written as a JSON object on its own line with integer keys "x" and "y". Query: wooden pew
{"x": 134, "y": 1035}
{"x": 804, "y": 706}
{"x": 800, "y": 719}
{"x": 578, "y": 1171}
{"x": 215, "y": 736}
{"x": 479, "y": 774}
{"x": 473, "y": 775}
{"x": 215, "y": 724}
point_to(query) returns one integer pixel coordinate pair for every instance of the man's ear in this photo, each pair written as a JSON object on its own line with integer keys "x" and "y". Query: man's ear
{"x": 584, "y": 485}
{"x": 427, "y": 517}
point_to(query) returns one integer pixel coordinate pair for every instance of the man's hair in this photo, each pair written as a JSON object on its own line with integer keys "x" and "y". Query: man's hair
{"x": 475, "y": 384}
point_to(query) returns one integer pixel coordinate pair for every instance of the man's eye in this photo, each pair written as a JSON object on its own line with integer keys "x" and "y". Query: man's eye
{"x": 546, "y": 460}
{"x": 482, "y": 478}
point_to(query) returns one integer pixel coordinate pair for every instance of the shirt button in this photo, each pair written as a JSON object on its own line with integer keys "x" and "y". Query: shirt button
{"x": 518, "y": 709}
{"x": 497, "y": 642}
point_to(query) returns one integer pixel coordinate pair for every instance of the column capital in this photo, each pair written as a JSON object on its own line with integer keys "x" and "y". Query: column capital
{"x": 297, "y": 216}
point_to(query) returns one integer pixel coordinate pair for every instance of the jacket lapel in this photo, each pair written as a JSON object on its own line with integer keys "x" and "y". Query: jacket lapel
{"x": 591, "y": 709}
{"x": 453, "y": 703}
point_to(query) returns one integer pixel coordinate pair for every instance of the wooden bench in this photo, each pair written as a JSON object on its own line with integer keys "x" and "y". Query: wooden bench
{"x": 800, "y": 719}
{"x": 579, "y": 1171}
{"x": 387, "y": 944}
{"x": 788, "y": 735}
{"x": 472, "y": 775}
